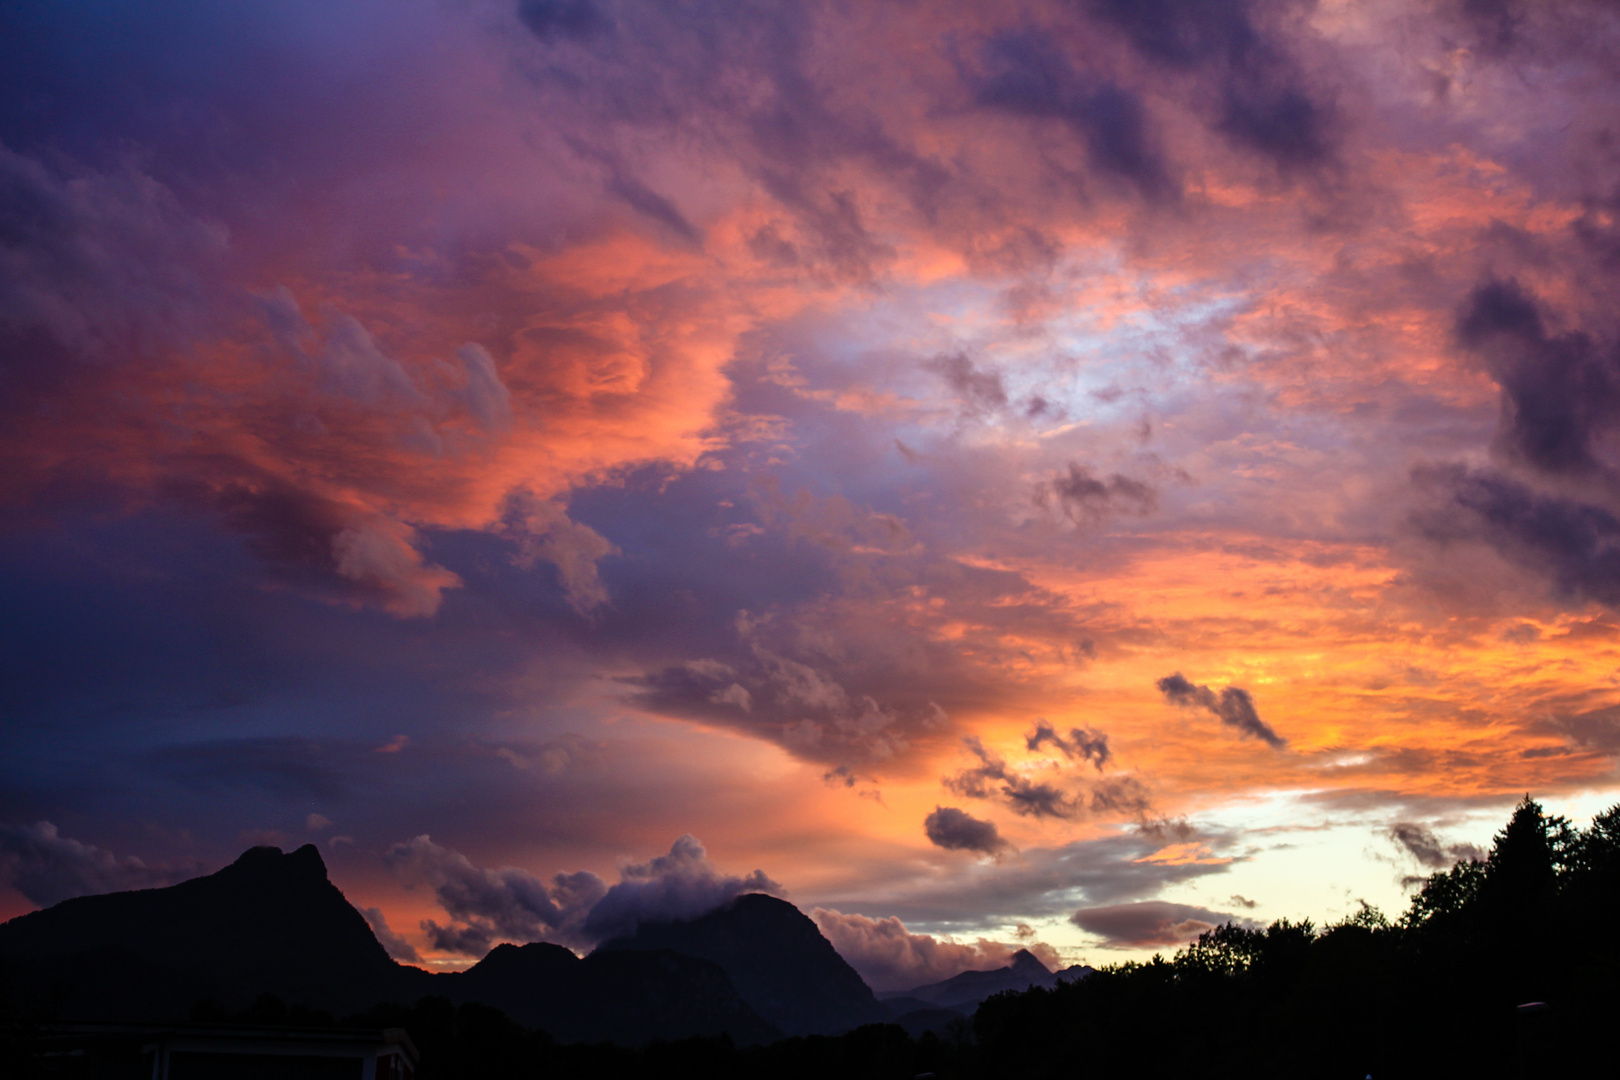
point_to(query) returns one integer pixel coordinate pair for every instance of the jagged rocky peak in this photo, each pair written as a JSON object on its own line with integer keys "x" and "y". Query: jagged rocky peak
{"x": 297, "y": 873}
{"x": 265, "y": 859}
{"x": 778, "y": 959}
{"x": 1028, "y": 964}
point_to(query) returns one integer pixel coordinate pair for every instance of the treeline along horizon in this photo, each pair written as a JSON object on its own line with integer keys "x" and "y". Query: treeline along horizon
{"x": 1436, "y": 992}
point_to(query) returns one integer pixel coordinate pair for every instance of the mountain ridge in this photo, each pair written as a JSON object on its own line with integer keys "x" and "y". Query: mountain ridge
{"x": 273, "y": 922}
{"x": 586, "y": 999}
{"x": 266, "y": 911}
{"x": 966, "y": 990}
{"x": 777, "y": 958}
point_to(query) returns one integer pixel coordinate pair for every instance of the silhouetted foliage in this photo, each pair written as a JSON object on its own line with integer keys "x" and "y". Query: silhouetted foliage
{"x": 1432, "y": 993}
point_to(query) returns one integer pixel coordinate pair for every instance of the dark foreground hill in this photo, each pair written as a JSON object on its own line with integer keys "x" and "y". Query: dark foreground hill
{"x": 268, "y": 923}
{"x": 778, "y": 960}
{"x": 628, "y": 998}
{"x": 272, "y": 923}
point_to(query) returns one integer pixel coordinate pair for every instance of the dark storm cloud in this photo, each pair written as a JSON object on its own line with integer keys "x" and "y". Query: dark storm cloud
{"x": 1496, "y": 23}
{"x": 843, "y": 775}
{"x": 1082, "y": 743}
{"x": 1042, "y": 881}
{"x": 1591, "y": 729}
{"x": 1560, "y": 392}
{"x": 992, "y": 778}
{"x": 509, "y": 904}
{"x": 549, "y": 20}
{"x": 1267, "y": 110}
{"x": 176, "y": 623}
{"x": 680, "y": 885}
{"x": 1549, "y": 506}
{"x": 347, "y": 365}
{"x": 1599, "y": 231}
{"x": 622, "y": 182}
{"x": 786, "y": 130}
{"x": 285, "y": 766}
{"x": 1167, "y": 830}
{"x": 828, "y": 670}
{"x": 1233, "y": 706}
{"x": 1087, "y": 499}
{"x": 127, "y": 242}
{"x": 47, "y": 867}
{"x": 890, "y": 957}
{"x": 471, "y": 939}
{"x": 980, "y": 390}
{"x": 1121, "y": 796}
{"x": 837, "y": 137}
{"x": 188, "y": 645}
{"x": 101, "y": 267}
{"x": 1024, "y": 73}
{"x": 1423, "y": 845}
{"x": 804, "y": 707}
{"x": 290, "y": 527}
{"x": 957, "y": 830}
{"x": 397, "y": 946}
{"x": 1266, "y": 104}
{"x": 1150, "y": 923}
{"x": 1575, "y": 543}
{"x": 1181, "y": 33}
{"x": 489, "y": 905}
{"x": 107, "y": 268}
{"x": 647, "y": 201}
{"x": 317, "y": 543}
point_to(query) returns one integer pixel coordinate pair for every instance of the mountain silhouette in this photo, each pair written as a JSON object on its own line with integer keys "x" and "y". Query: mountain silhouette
{"x": 626, "y": 997}
{"x": 274, "y": 923}
{"x": 776, "y": 957}
{"x": 268, "y": 923}
{"x": 964, "y": 992}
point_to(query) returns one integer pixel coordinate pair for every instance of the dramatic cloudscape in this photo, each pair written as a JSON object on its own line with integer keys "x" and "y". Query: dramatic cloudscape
{"x": 1061, "y": 474}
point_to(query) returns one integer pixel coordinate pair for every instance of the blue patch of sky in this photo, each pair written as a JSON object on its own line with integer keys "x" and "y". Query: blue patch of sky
{"x": 1085, "y": 371}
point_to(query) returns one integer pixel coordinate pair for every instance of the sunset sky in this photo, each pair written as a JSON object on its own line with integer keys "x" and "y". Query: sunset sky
{"x": 1066, "y": 473}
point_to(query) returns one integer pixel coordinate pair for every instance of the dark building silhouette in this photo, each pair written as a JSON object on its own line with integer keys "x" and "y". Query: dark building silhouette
{"x": 112, "y": 1051}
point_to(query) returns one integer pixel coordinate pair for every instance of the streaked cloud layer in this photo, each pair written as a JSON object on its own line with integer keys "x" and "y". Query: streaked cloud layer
{"x": 1054, "y": 464}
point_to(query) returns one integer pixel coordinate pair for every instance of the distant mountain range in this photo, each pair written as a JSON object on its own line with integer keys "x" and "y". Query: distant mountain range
{"x": 756, "y": 969}
{"x": 964, "y": 992}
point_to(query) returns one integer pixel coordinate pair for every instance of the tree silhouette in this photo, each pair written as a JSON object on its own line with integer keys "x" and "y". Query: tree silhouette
{"x": 1433, "y": 993}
